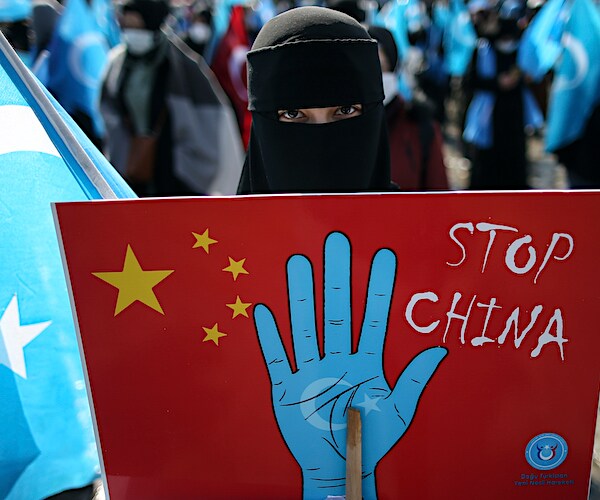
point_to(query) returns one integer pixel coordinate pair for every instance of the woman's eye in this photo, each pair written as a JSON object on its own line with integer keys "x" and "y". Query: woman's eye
{"x": 290, "y": 114}
{"x": 349, "y": 110}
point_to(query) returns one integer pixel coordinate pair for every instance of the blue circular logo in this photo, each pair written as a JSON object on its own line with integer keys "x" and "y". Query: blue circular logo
{"x": 546, "y": 451}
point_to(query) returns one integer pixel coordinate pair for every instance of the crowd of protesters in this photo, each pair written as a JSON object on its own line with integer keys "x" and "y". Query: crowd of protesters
{"x": 173, "y": 94}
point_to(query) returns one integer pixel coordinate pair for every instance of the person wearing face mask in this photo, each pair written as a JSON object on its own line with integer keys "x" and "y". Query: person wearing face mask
{"x": 199, "y": 33}
{"x": 316, "y": 97}
{"x": 417, "y": 162}
{"x": 170, "y": 129}
{"x": 501, "y": 106}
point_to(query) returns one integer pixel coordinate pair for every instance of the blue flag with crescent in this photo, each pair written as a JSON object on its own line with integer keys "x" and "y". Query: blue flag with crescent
{"x": 575, "y": 90}
{"x": 46, "y": 438}
{"x": 78, "y": 55}
{"x": 14, "y": 10}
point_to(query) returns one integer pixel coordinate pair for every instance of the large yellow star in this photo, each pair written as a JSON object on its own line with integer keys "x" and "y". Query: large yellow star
{"x": 203, "y": 240}
{"x": 134, "y": 283}
{"x": 239, "y": 307}
{"x": 213, "y": 334}
{"x": 236, "y": 267}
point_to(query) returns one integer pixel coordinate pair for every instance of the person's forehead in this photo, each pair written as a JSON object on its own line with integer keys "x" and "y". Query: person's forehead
{"x": 131, "y": 19}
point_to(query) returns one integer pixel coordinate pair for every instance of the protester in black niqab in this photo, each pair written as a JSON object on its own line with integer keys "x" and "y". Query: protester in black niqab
{"x": 313, "y": 57}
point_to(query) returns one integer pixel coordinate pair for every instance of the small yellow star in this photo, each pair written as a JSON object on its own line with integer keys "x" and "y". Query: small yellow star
{"x": 203, "y": 240}
{"x": 213, "y": 334}
{"x": 134, "y": 283}
{"x": 236, "y": 267}
{"x": 239, "y": 307}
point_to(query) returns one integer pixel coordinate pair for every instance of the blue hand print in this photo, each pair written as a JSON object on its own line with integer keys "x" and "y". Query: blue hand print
{"x": 310, "y": 404}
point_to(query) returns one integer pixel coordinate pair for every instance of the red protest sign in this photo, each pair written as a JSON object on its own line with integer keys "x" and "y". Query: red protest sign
{"x": 225, "y": 339}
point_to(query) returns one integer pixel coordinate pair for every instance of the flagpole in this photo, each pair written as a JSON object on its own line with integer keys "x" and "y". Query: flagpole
{"x": 69, "y": 141}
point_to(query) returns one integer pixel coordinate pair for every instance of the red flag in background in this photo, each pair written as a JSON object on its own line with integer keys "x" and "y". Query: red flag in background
{"x": 229, "y": 65}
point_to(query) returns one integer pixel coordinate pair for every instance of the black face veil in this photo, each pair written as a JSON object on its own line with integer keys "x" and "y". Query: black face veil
{"x": 313, "y": 57}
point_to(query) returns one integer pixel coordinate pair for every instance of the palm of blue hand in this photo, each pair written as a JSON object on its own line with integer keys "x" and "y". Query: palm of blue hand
{"x": 310, "y": 404}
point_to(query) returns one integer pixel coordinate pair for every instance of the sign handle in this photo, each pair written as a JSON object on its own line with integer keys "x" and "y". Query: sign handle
{"x": 354, "y": 456}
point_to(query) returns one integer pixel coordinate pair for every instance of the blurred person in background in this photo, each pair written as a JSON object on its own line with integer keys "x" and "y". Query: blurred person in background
{"x": 415, "y": 138}
{"x": 426, "y": 34}
{"x": 500, "y": 108}
{"x": 170, "y": 129}
{"x": 44, "y": 16}
{"x": 199, "y": 32}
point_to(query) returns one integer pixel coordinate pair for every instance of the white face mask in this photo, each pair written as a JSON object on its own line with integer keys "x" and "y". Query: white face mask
{"x": 199, "y": 32}
{"x": 390, "y": 86}
{"x": 507, "y": 46}
{"x": 138, "y": 42}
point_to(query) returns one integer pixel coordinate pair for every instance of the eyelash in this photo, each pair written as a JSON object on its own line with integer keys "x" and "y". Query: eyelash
{"x": 352, "y": 108}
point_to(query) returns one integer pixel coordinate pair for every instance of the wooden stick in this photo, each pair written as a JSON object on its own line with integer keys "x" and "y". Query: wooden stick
{"x": 354, "y": 456}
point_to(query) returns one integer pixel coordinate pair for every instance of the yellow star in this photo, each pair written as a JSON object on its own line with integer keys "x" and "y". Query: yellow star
{"x": 239, "y": 307}
{"x": 203, "y": 240}
{"x": 236, "y": 267}
{"x": 134, "y": 283}
{"x": 213, "y": 334}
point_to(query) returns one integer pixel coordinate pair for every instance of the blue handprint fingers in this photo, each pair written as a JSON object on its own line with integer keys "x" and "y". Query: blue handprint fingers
{"x": 302, "y": 310}
{"x": 413, "y": 380}
{"x": 379, "y": 296}
{"x": 337, "y": 295}
{"x": 271, "y": 346}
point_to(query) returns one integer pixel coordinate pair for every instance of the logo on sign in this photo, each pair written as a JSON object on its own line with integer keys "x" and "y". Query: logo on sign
{"x": 546, "y": 451}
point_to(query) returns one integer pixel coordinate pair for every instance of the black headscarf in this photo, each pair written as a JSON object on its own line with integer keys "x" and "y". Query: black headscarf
{"x": 386, "y": 42}
{"x": 153, "y": 12}
{"x": 313, "y": 57}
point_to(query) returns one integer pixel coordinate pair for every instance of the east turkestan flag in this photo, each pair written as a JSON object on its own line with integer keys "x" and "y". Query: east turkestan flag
{"x": 46, "y": 439}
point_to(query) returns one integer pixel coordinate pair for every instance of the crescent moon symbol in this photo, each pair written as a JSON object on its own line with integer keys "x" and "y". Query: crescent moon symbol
{"x": 309, "y": 406}
{"x": 235, "y": 67}
{"x": 75, "y": 58}
{"x": 581, "y": 60}
{"x": 20, "y": 130}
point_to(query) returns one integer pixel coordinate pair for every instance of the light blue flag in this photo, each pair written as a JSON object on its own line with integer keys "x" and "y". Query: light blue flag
{"x": 78, "y": 55}
{"x": 104, "y": 12}
{"x": 46, "y": 437}
{"x": 575, "y": 89}
{"x": 393, "y": 17}
{"x": 460, "y": 39}
{"x": 540, "y": 44}
{"x": 14, "y": 10}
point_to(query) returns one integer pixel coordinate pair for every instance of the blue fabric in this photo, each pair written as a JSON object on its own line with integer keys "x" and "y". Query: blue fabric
{"x": 14, "y": 10}
{"x": 478, "y": 123}
{"x": 576, "y": 86}
{"x": 392, "y": 16}
{"x": 46, "y": 437}
{"x": 540, "y": 44}
{"x": 460, "y": 39}
{"x": 479, "y": 129}
{"x": 104, "y": 13}
{"x": 78, "y": 54}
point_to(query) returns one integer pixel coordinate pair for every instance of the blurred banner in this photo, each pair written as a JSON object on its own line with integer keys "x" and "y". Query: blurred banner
{"x": 225, "y": 339}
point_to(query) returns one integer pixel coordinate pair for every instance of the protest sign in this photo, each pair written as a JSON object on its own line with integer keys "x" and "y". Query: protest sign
{"x": 225, "y": 339}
